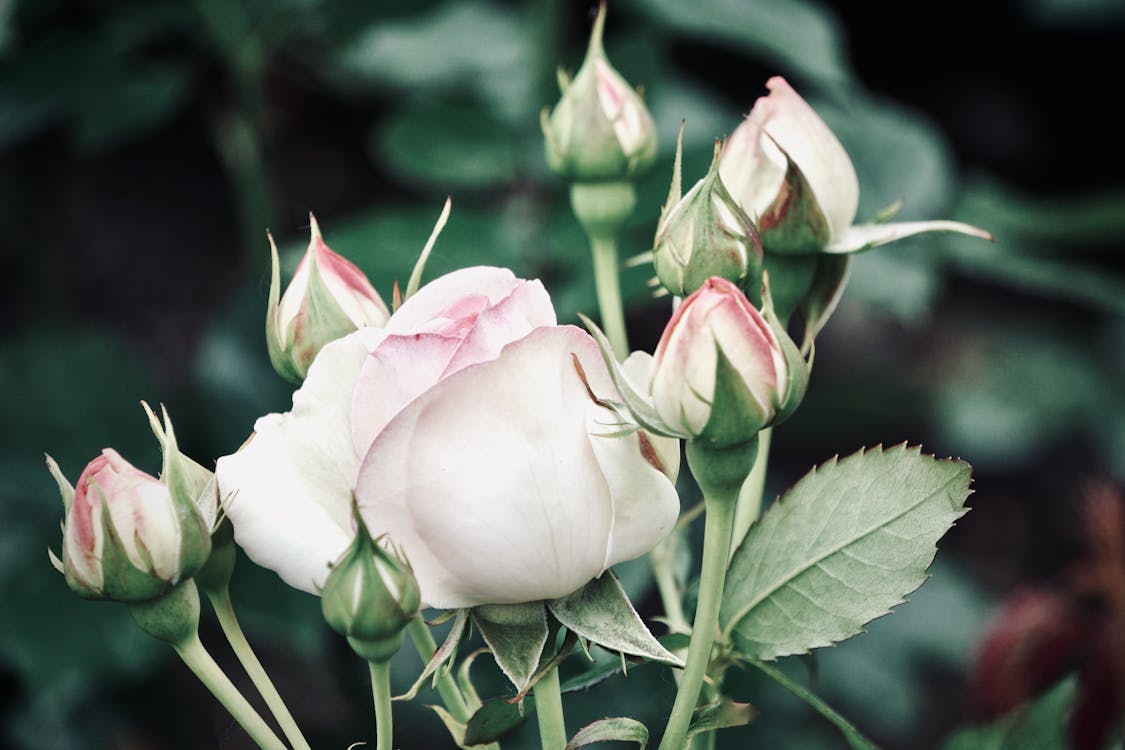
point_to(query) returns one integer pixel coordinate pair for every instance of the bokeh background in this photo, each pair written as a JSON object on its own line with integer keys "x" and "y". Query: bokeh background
{"x": 145, "y": 147}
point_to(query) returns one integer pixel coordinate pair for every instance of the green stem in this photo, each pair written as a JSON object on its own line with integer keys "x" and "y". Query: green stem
{"x": 749, "y": 505}
{"x": 381, "y": 695}
{"x": 549, "y": 710}
{"x": 608, "y": 285}
{"x": 663, "y": 561}
{"x": 446, "y": 686}
{"x": 854, "y": 738}
{"x": 716, "y": 548}
{"x": 200, "y": 662}
{"x": 224, "y": 611}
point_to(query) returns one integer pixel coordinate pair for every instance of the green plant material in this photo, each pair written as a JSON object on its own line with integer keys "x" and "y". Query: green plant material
{"x": 448, "y": 145}
{"x": 444, "y": 48}
{"x": 854, "y": 738}
{"x": 496, "y": 718}
{"x": 847, "y": 543}
{"x": 601, "y": 612}
{"x": 446, "y": 654}
{"x": 721, "y": 714}
{"x": 516, "y": 634}
{"x": 456, "y": 728}
{"x": 618, "y": 729}
{"x": 1039, "y": 725}
{"x": 795, "y": 35}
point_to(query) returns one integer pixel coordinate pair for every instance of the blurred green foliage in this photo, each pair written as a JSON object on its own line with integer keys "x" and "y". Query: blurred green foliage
{"x": 1009, "y": 355}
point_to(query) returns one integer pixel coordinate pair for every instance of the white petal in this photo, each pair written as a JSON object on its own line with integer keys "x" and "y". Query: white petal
{"x": 645, "y": 503}
{"x": 431, "y": 299}
{"x": 288, "y": 491}
{"x": 752, "y": 168}
{"x": 488, "y": 480}
{"x": 866, "y": 236}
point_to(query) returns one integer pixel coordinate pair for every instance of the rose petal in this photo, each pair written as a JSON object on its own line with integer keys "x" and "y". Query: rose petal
{"x": 752, "y": 168}
{"x": 429, "y": 301}
{"x": 867, "y": 236}
{"x": 488, "y": 480}
{"x": 288, "y": 491}
{"x": 645, "y": 503}
{"x": 812, "y": 146}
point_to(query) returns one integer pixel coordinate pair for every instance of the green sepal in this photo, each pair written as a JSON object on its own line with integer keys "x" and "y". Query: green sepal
{"x": 791, "y": 277}
{"x": 187, "y": 483}
{"x": 455, "y": 728}
{"x": 322, "y": 319}
{"x": 736, "y": 415}
{"x": 415, "y": 279}
{"x": 516, "y": 635}
{"x": 794, "y": 222}
{"x": 601, "y": 612}
{"x": 66, "y": 490}
{"x": 823, "y": 295}
{"x": 636, "y": 407}
{"x": 276, "y": 339}
{"x": 446, "y": 653}
{"x": 722, "y": 714}
{"x": 216, "y": 573}
{"x": 720, "y": 472}
{"x": 617, "y": 729}
{"x": 796, "y": 366}
{"x": 376, "y": 650}
{"x": 122, "y": 580}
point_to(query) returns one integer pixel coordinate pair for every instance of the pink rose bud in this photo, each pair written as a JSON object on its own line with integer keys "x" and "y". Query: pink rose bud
{"x": 785, "y": 166}
{"x": 327, "y": 299}
{"x": 723, "y": 370}
{"x": 600, "y": 129}
{"x": 128, "y": 536}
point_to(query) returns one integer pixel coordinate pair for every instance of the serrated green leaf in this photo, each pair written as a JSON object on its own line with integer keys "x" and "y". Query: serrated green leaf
{"x": 846, "y": 544}
{"x": 617, "y": 729}
{"x": 601, "y": 612}
{"x": 496, "y": 718}
{"x": 516, "y": 634}
{"x": 1036, "y": 726}
{"x": 721, "y": 714}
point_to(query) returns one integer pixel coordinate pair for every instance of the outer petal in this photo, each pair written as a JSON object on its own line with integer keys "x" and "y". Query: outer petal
{"x": 752, "y": 168}
{"x": 288, "y": 490}
{"x": 867, "y": 236}
{"x": 429, "y": 301}
{"x": 796, "y": 128}
{"x": 645, "y": 503}
{"x": 488, "y": 480}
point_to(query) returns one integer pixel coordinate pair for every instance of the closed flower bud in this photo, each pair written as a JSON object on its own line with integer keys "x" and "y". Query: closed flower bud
{"x": 703, "y": 234}
{"x": 370, "y": 596}
{"x": 128, "y": 536}
{"x": 600, "y": 129}
{"x": 327, "y": 299}
{"x": 723, "y": 370}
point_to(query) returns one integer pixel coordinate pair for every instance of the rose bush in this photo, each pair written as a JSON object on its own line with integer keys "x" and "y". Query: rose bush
{"x": 470, "y": 432}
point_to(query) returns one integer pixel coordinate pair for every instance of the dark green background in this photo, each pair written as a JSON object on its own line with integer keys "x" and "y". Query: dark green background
{"x": 146, "y": 146}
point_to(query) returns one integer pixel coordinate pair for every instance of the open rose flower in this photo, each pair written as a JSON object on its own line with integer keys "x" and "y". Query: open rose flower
{"x": 468, "y": 430}
{"x": 786, "y": 168}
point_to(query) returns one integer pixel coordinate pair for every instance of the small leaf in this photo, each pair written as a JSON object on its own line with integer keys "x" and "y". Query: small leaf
{"x": 846, "y": 544}
{"x": 619, "y": 729}
{"x": 456, "y": 728}
{"x": 516, "y": 634}
{"x": 601, "y": 612}
{"x": 445, "y": 652}
{"x": 721, "y": 714}
{"x": 494, "y": 719}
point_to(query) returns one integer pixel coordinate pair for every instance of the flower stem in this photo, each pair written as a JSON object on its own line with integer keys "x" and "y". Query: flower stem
{"x": 381, "y": 695}
{"x": 549, "y": 709}
{"x": 749, "y": 505}
{"x": 608, "y": 286}
{"x": 200, "y": 662}
{"x": 224, "y": 611}
{"x": 716, "y": 547}
{"x": 446, "y": 686}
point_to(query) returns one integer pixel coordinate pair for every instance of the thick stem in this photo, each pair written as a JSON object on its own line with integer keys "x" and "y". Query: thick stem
{"x": 750, "y": 496}
{"x": 608, "y": 285}
{"x": 446, "y": 686}
{"x": 716, "y": 548}
{"x": 549, "y": 709}
{"x": 381, "y": 696}
{"x": 224, "y": 611}
{"x": 200, "y": 662}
